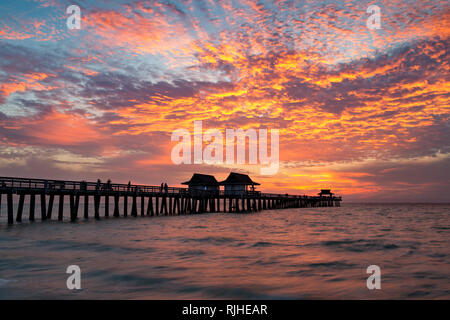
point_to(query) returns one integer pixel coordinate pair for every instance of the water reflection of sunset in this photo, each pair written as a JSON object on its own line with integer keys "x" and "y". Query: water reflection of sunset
{"x": 364, "y": 112}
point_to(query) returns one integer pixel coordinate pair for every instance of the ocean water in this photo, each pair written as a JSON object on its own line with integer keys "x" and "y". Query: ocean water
{"x": 308, "y": 253}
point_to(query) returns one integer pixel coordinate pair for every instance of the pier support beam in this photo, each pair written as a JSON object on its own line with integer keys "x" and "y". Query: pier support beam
{"x": 9, "y": 200}
{"x": 164, "y": 206}
{"x": 72, "y": 206}
{"x": 77, "y": 204}
{"x": 150, "y": 207}
{"x": 32, "y": 205}
{"x": 106, "y": 206}
{"x": 97, "y": 206}
{"x": 174, "y": 209}
{"x": 125, "y": 206}
{"x": 50, "y": 206}
{"x": 188, "y": 207}
{"x": 194, "y": 205}
{"x": 60, "y": 207}
{"x": 181, "y": 205}
{"x": 116, "y": 206}
{"x": 134, "y": 207}
{"x": 86, "y": 206}
{"x": 43, "y": 207}
{"x": 20, "y": 207}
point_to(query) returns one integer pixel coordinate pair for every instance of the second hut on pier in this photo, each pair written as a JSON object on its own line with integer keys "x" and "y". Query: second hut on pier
{"x": 201, "y": 183}
{"x": 238, "y": 184}
{"x": 325, "y": 193}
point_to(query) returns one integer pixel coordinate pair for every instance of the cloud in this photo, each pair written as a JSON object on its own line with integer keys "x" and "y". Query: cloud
{"x": 108, "y": 96}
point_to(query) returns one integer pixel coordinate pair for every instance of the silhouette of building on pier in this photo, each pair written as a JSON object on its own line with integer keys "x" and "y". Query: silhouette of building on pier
{"x": 325, "y": 192}
{"x": 202, "y": 182}
{"x": 238, "y": 184}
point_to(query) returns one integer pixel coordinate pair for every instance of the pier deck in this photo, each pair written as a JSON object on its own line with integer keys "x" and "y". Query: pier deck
{"x": 154, "y": 200}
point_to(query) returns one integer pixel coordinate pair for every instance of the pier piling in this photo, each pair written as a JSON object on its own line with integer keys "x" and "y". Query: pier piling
{"x": 20, "y": 207}
{"x": 60, "y": 207}
{"x": 50, "y": 206}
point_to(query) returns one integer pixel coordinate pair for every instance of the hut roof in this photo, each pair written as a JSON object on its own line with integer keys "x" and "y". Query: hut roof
{"x": 199, "y": 179}
{"x": 239, "y": 179}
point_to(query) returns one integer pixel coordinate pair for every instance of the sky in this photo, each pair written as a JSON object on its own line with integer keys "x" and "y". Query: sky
{"x": 362, "y": 111}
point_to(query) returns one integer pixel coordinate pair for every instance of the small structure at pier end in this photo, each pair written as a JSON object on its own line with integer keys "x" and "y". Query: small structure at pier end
{"x": 326, "y": 196}
{"x": 238, "y": 184}
{"x": 202, "y": 182}
{"x": 325, "y": 192}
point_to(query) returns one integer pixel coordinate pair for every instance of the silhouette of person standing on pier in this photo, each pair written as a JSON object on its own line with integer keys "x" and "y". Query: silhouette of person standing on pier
{"x": 166, "y": 188}
{"x": 129, "y": 186}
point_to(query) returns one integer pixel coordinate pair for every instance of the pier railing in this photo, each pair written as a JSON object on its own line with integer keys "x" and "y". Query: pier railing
{"x": 48, "y": 185}
{"x": 67, "y": 185}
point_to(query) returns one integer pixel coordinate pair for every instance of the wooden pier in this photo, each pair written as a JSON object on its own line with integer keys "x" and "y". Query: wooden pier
{"x": 145, "y": 200}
